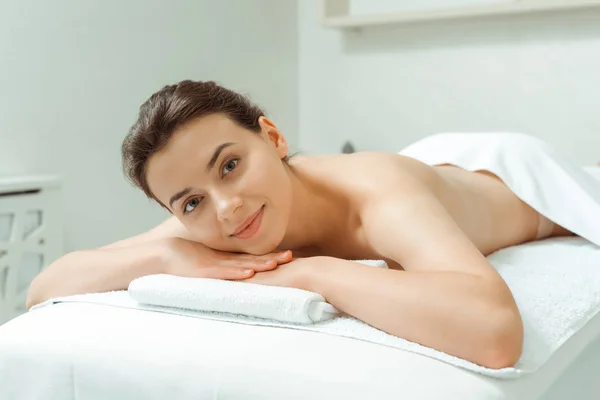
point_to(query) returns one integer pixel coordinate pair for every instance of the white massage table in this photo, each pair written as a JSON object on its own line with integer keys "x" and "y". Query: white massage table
{"x": 84, "y": 351}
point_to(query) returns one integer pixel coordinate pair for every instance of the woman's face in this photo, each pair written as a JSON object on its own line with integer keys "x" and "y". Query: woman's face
{"x": 215, "y": 176}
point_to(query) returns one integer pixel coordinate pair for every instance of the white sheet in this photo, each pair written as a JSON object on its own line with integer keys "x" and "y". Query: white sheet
{"x": 555, "y": 282}
{"x": 105, "y": 351}
{"x": 86, "y": 351}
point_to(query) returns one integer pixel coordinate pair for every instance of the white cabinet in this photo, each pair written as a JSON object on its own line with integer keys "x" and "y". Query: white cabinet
{"x": 30, "y": 236}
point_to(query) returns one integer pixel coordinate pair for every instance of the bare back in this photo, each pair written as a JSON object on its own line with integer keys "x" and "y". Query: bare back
{"x": 485, "y": 209}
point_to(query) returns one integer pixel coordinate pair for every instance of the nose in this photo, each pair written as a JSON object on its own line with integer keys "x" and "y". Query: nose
{"x": 226, "y": 205}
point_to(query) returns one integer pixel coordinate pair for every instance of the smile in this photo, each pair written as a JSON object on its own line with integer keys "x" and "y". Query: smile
{"x": 252, "y": 226}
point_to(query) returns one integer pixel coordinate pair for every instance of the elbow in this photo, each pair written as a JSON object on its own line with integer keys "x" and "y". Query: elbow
{"x": 30, "y": 302}
{"x": 33, "y": 297}
{"x": 502, "y": 355}
{"x": 44, "y": 284}
{"x": 504, "y": 347}
{"x": 37, "y": 291}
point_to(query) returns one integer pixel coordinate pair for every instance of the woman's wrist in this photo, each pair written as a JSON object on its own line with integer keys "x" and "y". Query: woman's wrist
{"x": 157, "y": 256}
{"x": 311, "y": 275}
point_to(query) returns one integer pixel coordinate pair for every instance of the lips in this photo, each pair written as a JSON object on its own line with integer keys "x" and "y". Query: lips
{"x": 250, "y": 225}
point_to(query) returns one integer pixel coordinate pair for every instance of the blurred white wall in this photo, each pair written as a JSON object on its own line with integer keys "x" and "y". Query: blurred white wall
{"x": 74, "y": 72}
{"x": 384, "y": 87}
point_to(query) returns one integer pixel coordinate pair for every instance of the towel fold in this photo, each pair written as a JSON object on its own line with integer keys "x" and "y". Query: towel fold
{"x": 282, "y": 304}
{"x": 269, "y": 302}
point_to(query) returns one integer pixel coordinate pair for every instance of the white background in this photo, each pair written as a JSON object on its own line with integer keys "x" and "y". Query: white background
{"x": 384, "y": 87}
{"x": 74, "y": 72}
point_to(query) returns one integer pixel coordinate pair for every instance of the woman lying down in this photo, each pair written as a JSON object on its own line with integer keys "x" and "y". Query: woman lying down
{"x": 242, "y": 209}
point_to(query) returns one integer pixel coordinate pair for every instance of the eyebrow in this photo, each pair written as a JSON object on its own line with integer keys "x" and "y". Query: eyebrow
{"x": 209, "y": 166}
{"x": 216, "y": 155}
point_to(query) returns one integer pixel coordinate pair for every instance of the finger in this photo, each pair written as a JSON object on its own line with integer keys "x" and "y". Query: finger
{"x": 227, "y": 273}
{"x": 257, "y": 265}
{"x": 282, "y": 256}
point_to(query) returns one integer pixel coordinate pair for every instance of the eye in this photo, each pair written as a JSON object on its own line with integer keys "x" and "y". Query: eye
{"x": 191, "y": 205}
{"x": 230, "y": 166}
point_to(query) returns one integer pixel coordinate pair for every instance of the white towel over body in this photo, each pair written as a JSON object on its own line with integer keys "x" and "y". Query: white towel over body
{"x": 537, "y": 173}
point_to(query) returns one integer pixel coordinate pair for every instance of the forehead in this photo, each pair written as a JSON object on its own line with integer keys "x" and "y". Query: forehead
{"x": 204, "y": 131}
{"x": 188, "y": 150}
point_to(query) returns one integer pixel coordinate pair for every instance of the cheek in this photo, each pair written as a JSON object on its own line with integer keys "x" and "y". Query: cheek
{"x": 202, "y": 230}
{"x": 261, "y": 178}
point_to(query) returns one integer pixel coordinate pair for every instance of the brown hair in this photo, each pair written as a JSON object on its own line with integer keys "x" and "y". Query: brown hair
{"x": 173, "y": 106}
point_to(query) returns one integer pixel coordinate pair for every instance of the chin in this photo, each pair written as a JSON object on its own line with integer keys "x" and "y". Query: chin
{"x": 260, "y": 249}
{"x": 267, "y": 239}
{"x": 266, "y": 244}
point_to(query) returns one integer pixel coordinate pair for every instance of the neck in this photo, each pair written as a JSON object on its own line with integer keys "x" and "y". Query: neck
{"x": 318, "y": 212}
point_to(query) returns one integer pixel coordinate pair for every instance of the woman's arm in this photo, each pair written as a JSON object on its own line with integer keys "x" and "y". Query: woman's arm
{"x": 98, "y": 270}
{"x": 110, "y": 267}
{"x": 460, "y": 314}
{"x": 448, "y": 298}
{"x": 467, "y": 315}
{"x": 164, "y": 249}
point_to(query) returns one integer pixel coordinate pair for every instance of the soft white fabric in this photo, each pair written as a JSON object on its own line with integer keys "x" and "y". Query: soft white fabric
{"x": 87, "y": 351}
{"x": 249, "y": 299}
{"x": 556, "y": 283}
{"x": 593, "y": 170}
{"x": 246, "y": 299}
{"x": 537, "y": 173}
{"x": 82, "y": 351}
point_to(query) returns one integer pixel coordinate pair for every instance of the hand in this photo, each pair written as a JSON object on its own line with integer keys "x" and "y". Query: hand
{"x": 192, "y": 259}
{"x": 297, "y": 273}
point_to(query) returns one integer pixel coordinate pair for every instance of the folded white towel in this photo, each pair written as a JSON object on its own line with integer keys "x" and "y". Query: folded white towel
{"x": 243, "y": 298}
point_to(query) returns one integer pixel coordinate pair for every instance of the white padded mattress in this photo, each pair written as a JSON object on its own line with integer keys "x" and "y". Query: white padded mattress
{"x": 88, "y": 351}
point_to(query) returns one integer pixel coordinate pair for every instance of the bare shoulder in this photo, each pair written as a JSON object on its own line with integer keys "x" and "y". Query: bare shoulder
{"x": 378, "y": 172}
{"x": 377, "y": 183}
{"x": 403, "y": 217}
{"x": 392, "y": 180}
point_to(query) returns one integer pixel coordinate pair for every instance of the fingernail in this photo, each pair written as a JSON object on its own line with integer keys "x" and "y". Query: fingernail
{"x": 283, "y": 255}
{"x": 247, "y": 271}
{"x": 268, "y": 262}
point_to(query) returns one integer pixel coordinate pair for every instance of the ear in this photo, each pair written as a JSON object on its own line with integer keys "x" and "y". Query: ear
{"x": 273, "y": 136}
